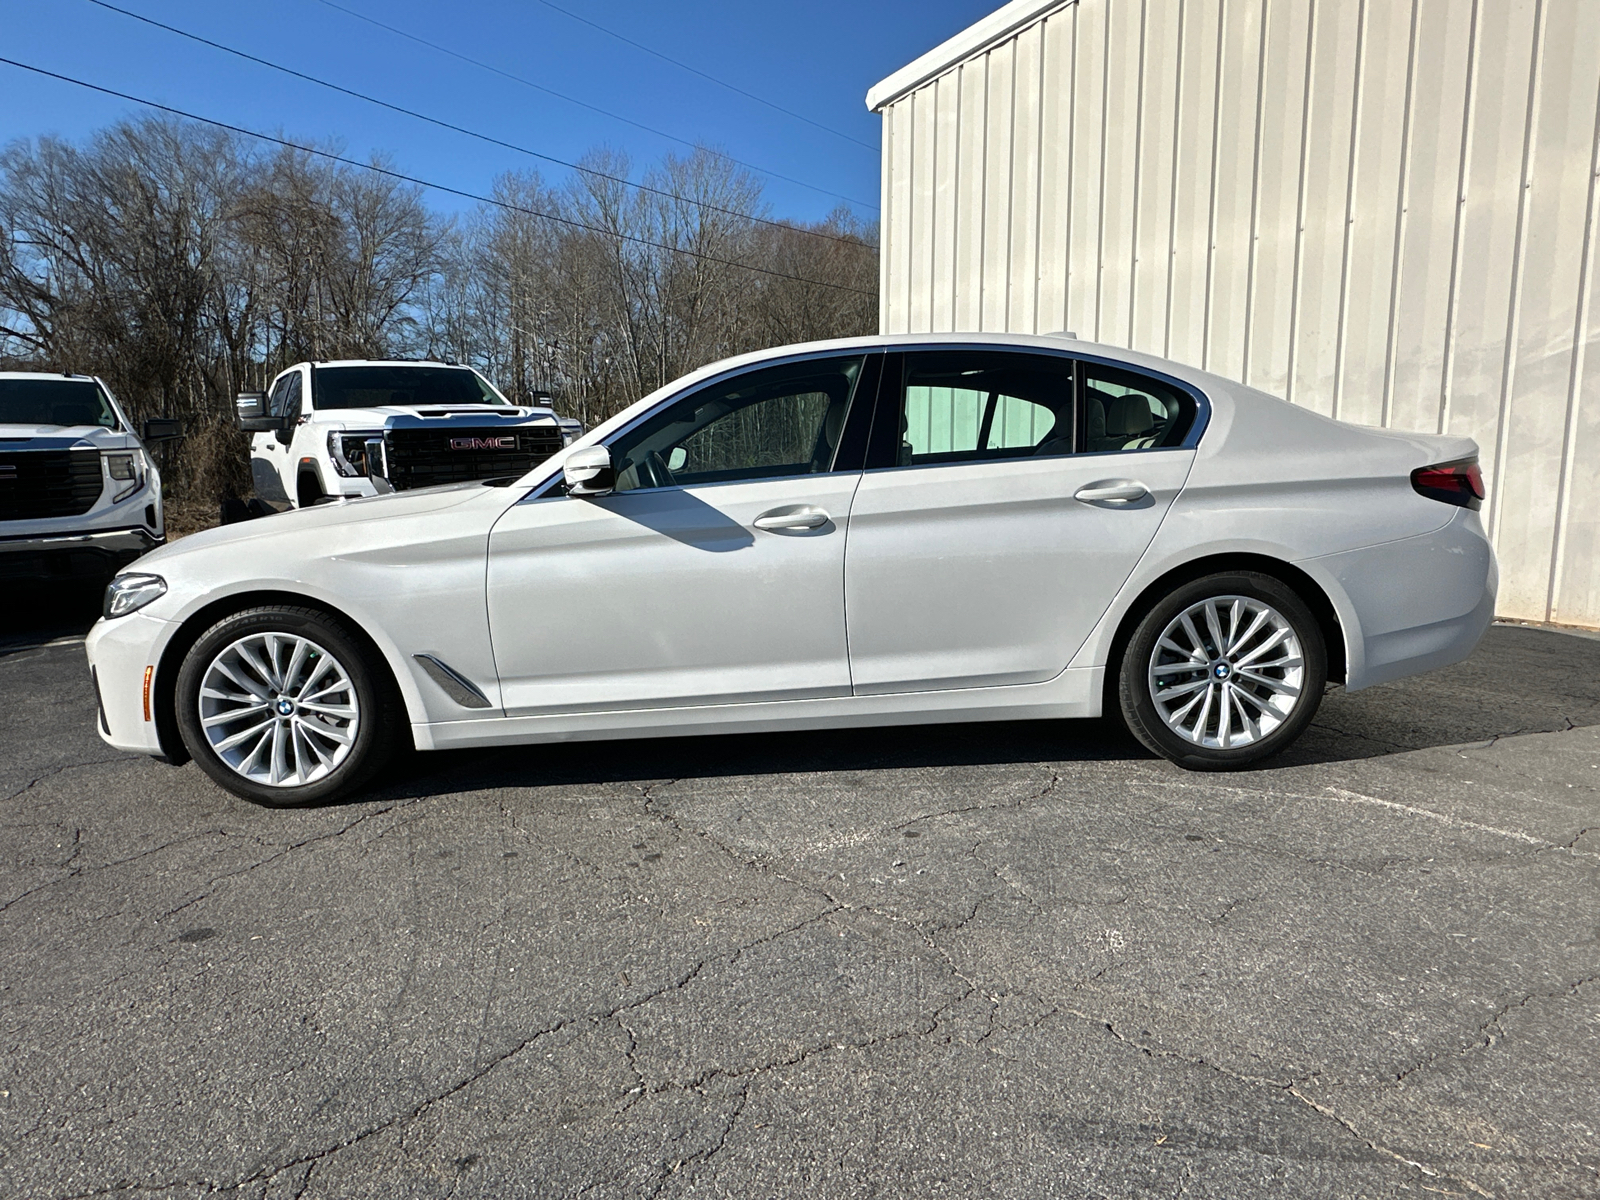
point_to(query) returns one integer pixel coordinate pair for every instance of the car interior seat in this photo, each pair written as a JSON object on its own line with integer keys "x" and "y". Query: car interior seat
{"x": 1095, "y": 402}
{"x": 1129, "y": 422}
{"x": 828, "y": 443}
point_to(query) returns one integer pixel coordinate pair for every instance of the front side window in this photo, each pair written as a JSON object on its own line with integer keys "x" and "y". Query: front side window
{"x": 784, "y": 420}
{"x": 284, "y": 399}
{"x": 972, "y": 406}
{"x": 64, "y": 402}
{"x": 1124, "y": 410}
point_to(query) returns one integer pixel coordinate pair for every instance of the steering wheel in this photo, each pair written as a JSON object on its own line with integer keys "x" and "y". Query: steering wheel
{"x": 654, "y": 470}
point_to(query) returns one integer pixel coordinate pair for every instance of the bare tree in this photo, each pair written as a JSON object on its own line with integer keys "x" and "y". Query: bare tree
{"x": 182, "y": 263}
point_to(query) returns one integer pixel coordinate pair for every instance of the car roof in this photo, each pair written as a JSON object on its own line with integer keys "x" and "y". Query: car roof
{"x": 1204, "y": 381}
{"x": 51, "y": 375}
{"x": 388, "y": 362}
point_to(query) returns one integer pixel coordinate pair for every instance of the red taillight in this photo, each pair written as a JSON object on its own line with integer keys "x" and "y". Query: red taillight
{"x": 1453, "y": 482}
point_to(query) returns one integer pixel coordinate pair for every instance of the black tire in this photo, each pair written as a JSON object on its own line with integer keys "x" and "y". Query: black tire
{"x": 1139, "y": 705}
{"x": 378, "y": 732}
{"x": 308, "y": 490}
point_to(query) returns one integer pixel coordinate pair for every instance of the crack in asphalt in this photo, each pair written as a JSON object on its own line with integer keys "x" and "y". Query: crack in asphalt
{"x": 1485, "y": 1037}
{"x": 63, "y": 768}
{"x": 282, "y": 852}
{"x": 89, "y": 868}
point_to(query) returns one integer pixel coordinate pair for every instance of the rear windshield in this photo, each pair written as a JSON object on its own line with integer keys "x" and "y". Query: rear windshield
{"x": 373, "y": 387}
{"x": 54, "y": 402}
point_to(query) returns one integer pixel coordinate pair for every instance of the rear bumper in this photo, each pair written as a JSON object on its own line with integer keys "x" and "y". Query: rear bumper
{"x": 98, "y": 554}
{"x": 1412, "y": 605}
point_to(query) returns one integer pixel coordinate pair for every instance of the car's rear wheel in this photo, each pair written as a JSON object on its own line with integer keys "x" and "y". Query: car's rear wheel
{"x": 1223, "y": 671}
{"x": 285, "y": 706}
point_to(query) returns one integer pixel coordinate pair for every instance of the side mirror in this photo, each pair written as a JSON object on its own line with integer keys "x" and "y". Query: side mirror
{"x": 253, "y": 416}
{"x": 162, "y": 429}
{"x": 588, "y": 472}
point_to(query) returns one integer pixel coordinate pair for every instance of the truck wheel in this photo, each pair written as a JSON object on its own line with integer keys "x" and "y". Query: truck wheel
{"x": 1223, "y": 671}
{"x": 308, "y": 491}
{"x": 284, "y": 706}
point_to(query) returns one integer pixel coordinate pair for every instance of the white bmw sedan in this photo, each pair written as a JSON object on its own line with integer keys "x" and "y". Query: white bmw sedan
{"x": 878, "y": 531}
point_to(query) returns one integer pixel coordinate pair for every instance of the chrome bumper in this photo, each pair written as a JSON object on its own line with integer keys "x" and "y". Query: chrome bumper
{"x": 73, "y": 555}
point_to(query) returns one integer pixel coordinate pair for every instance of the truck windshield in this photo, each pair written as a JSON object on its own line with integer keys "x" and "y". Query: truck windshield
{"x": 373, "y": 387}
{"x": 54, "y": 402}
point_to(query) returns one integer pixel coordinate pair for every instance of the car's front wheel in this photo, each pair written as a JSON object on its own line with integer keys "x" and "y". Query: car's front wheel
{"x": 1223, "y": 671}
{"x": 285, "y": 706}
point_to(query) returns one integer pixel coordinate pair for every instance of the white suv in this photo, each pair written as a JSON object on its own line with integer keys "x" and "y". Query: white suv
{"x": 330, "y": 430}
{"x": 79, "y": 496}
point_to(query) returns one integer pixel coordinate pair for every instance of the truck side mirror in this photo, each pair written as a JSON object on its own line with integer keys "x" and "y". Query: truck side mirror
{"x": 162, "y": 429}
{"x": 588, "y": 472}
{"x": 253, "y": 416}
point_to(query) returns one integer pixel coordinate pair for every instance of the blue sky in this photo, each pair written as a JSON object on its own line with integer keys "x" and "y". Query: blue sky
{"x": 817, "y": 59}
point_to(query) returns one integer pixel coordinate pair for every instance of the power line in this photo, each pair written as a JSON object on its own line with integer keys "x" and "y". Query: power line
{"x": 697, "y": 71}
{"x": 595, "y": 108}
{"x": 482, "y": 137}
{"x": 437, "y": 187}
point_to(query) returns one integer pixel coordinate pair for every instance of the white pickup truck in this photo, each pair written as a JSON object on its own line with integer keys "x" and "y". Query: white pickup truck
{"x": 79, "y": 495}
{"x": 330, "y": 430}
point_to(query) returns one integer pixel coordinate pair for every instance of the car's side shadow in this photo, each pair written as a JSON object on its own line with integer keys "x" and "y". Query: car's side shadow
{"x": 1520, "y": 681}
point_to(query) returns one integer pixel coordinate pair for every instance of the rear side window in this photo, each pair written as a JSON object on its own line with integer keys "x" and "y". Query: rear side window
{"x": 977, "y": 405}
{"x": 1126, "y": 410}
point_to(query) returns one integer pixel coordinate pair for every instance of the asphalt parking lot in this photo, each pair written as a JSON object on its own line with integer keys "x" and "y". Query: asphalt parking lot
{"x": 989, "y": 960}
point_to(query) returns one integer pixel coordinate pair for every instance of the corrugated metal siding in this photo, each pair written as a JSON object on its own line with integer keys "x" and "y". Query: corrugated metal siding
{"x": 1383, "y": 209}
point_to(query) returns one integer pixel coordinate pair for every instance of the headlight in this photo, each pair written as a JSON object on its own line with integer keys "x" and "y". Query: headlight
{"x": 349, "y": 452}
{"x": 130, "y": 593}
{"x": 125, "y": 469}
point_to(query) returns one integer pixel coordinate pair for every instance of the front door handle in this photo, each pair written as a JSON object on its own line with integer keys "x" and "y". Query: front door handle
{"x": 1112, "y": 491}
{"x": 794, "y": 516}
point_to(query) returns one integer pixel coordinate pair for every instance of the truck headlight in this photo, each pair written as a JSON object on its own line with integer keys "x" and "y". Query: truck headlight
{"x": 125, "y": 468}
{"x": 130, "y": 593}
{"x": 349, "y": 452}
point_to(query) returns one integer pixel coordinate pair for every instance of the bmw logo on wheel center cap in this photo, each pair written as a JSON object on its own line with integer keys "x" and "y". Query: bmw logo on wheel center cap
{"x": 285, "y": 706}
{"x": 1222, "y": 670}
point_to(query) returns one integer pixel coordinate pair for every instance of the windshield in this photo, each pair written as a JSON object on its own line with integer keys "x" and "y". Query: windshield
{"x": 373, "y": 387}
{"x": 54, "y": 402}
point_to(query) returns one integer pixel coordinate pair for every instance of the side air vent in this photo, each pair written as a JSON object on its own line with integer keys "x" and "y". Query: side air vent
{"x": 458, "y": 687}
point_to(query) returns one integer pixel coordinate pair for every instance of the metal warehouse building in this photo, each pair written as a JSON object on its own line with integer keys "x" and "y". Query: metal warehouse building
{"x": 1381, "y": 209}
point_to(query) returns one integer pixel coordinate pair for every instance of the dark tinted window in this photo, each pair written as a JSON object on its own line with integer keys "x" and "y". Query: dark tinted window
{"x": 54, "y": 402}
{"x": 777, "y": 421}
{"x": 975, "y": 405}
{"x": 1124, "y": 410}
{"x": 284, "y": 399}
{"x": 373, "y": 387}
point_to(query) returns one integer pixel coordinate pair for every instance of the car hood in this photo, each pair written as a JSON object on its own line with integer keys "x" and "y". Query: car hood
{"x": 312, "y": 526}
{"x": 62, "y": 437}
{"x": 395, "y": 416}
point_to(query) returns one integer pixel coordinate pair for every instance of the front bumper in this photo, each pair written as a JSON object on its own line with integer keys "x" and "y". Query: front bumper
{"x": 118, "y": 652}
{"x": 95, "y": 555}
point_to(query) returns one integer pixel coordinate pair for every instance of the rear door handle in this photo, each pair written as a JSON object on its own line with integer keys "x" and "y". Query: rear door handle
{"x": 1112, "y": 491}
{"x": 793, "y": 516}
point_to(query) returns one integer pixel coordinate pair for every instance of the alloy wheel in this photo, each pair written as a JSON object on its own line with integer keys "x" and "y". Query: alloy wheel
{"x": 279, "y": 709}
{"x": 1226, "y": 672}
